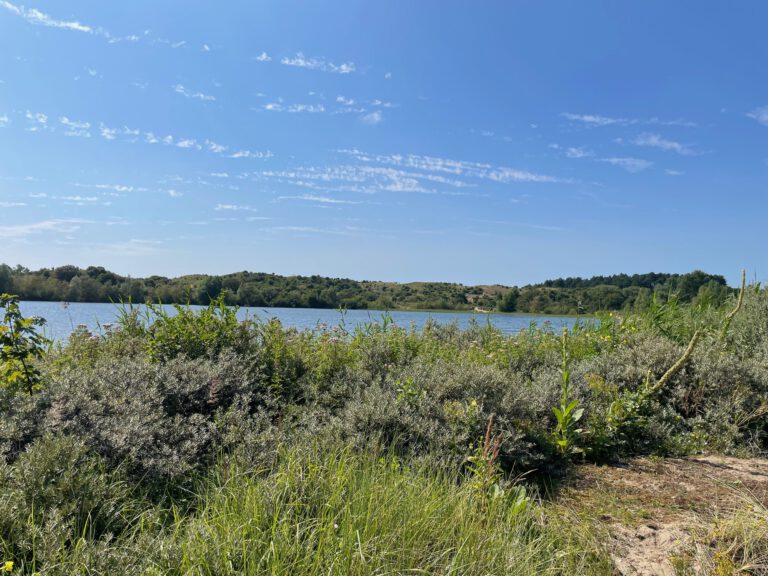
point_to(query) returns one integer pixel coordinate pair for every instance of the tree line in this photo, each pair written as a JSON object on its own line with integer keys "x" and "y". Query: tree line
{"x": 560, "y": 296}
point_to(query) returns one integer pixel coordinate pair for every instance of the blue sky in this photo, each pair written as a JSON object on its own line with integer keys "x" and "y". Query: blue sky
{"x": 479, "y": 142}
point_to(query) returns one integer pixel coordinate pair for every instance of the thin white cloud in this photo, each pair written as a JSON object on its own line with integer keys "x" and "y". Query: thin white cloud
{"x": 396, "y": 173}
{"x": 632, "y": 165}
{"x": 188, "y": 143}
{"x": 656, "y": 141}
{"x": 34, "y": 16}
{"x": 39, "y": 18}
{"x": 56, "y": 225}
{"x": 294, "y": 108}
{"x": 263, "y": 57}
{"x": 180, "y": 89}
{"x": 345, "y": 101}
{"x": 234, "y": 208}
{"x": 600, "y": 120}
{"x": 388, "y": 75}
{"x": 322, "y": 64}
{"x": 674, "y": 172}
{"x": 760, "y": 114}
{"x": 455, "y": 167}
{"x": 36, "y": 121}
{"x": 310, "y": 230}
{"x": 319, "y": 199}
{"x": 373, "y": 118}
{"x": 578, "y": 152}
{"x": 12, "y": 204}
{"x": 382, "y": 103}
{"x": 118, "y": 188}
{"x": 179, "y": 44}
{"x": 174, "y": 193}
{"x": 205, "y": 48}
{"x": 251, "y": 154}
{"x": 81, "y": 200}
{"x": 214, "y": 147}
{"x": 74, "y": 128}
{"x": 4, "y": 120}
{"x": 675, "y": 122}
{"x": 107, "y": 133}
{"x": 595, "y": 119}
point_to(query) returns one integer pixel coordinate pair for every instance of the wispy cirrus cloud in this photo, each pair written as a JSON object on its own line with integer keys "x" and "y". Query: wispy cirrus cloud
{"x": 632, "y": 165}
{"x": 294, "y": 108}
{"x": 4, "y": 120}
{"x": 113, "y": 188}
{"x": 188, "y": 143}
{"x": 64, "y": 225}
{"x": 34, "y": 16}
{"x": 39, "y": 18}
{"x": 373, "y": 118}
{"x": 595, "y": 119}
{"x": 648, "y": 139}
{"x": 251, "y": 154}
{"x": 401, "y": 174}
{"x": 74, "y": 128}
{"x": 319, "y": 199}
{"x": 433, "y": 164}
{"x": 234, "y": 208}
{"x": 180, "y": 89}
{"x": 578, "y": 152}
{"x": 301, "y": 61}
{"x": 263, "y": 57}
{"x": 759, "y": 114}
{"x": 36, "y": 121}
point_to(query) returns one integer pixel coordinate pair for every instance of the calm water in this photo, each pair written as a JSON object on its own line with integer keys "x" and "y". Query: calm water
{"x": 62, "y": 319}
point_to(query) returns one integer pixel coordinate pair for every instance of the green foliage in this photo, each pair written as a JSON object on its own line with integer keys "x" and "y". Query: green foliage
{"x": 56, "y": 494}
{"x": 21, "y": 346}
{"x": 508, "y": 302}
{"x": 190, "y": 333}
{"x": 568, "y": 413}
{"x": 560, "y": 296}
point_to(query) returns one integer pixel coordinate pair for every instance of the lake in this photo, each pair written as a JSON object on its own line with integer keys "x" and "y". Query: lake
{"x": 62, "y": 318}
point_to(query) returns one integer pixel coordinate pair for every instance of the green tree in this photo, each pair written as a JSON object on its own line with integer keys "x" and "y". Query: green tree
{"x": 21, "y": 344}
{"x": 508, "y": 302}
{"x": 6, "y": 280}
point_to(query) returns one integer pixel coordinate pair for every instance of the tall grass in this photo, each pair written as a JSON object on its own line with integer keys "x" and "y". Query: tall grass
{"x": 329, "y": 510}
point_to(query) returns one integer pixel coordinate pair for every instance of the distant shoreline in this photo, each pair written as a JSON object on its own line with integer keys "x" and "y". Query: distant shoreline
{"x": 383, "y": 310}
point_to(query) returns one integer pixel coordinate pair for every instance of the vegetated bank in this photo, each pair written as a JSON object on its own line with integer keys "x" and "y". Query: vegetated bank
{"x": 203, "y": 445}
{"x": 561, "y": 296}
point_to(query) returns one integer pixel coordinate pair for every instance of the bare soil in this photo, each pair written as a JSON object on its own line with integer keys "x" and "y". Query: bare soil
{"x": 653, "y": 510}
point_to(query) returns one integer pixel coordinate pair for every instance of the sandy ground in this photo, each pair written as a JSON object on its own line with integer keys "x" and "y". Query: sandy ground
{"x": 656, "y": 510}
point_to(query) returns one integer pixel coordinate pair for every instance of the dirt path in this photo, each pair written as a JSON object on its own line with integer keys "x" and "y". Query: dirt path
{"x": 659, "y": 512}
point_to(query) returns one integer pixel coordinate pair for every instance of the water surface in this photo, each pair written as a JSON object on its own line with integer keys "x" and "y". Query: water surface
{"x": 63, "y": 318}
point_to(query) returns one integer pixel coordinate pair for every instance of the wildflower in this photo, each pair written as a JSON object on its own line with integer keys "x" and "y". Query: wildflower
{"x": 8, "y": 566}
